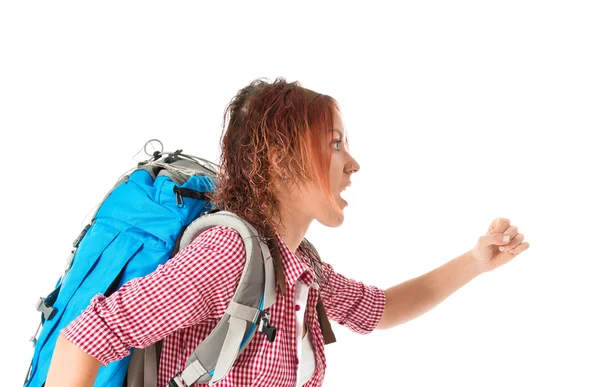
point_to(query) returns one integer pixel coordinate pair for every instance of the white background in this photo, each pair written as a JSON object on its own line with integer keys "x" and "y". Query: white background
{"x": 458, "y": 112}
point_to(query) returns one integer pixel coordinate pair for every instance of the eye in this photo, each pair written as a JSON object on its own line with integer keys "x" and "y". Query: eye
{"x": 336, "y": 144}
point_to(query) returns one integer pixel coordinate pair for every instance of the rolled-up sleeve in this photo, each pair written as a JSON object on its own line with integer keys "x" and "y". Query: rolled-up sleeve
{"x": 195, "y": 285}
{"x": 351, "y": 303}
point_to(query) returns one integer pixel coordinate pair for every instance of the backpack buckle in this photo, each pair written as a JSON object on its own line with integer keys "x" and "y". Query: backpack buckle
{"x": 46, "y": 310}
{"x": 176, "y": 381}
{"x": 266, "y": 328}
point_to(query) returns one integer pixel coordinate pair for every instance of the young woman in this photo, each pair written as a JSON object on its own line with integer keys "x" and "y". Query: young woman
{"x": 285, "y": 162}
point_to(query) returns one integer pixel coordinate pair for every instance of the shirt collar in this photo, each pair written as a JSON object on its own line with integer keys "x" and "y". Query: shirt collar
{"x": 295, "y": 266}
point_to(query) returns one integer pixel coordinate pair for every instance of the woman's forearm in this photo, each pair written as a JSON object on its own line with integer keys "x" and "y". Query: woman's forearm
{"x": 415, "y": 297}
{"x": 71, "y": 367}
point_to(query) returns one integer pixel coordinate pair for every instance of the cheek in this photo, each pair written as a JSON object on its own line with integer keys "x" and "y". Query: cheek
{"x": 336, "y": 172}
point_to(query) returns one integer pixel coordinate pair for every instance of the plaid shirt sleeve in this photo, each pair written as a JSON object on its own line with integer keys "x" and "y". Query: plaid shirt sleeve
{"x": 195, "y": 285}
{"x": 351, "y": 303}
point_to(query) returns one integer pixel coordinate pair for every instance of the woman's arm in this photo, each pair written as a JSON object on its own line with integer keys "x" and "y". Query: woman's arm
{"x": 417, "y": 296}
{"x": 71, "y": 367}
{"x": 351, "y": 303}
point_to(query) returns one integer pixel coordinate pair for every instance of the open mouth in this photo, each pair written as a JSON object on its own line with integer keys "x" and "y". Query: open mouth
{"x": 343, "y": 193}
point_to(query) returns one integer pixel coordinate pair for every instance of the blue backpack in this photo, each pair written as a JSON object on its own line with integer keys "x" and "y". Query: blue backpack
{"x": 140, "y": 224}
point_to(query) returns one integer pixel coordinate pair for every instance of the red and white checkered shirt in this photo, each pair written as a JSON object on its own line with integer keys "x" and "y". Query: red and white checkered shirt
{"x": 184, "y": 299}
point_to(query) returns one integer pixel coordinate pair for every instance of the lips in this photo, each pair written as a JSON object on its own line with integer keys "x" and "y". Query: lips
{"x": 344, "y": 202}
{"x": 342, "y": 193}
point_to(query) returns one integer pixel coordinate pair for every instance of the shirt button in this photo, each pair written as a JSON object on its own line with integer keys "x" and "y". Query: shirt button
{"x": 297, "y": 307}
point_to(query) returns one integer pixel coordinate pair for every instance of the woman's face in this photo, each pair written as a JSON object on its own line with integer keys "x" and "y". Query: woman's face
{"x": 311, "y": 200}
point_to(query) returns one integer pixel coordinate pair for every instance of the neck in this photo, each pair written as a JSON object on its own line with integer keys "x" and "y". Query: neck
{"x": 292, "y": 228}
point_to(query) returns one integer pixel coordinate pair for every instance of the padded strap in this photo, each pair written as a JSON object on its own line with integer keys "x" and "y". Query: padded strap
{"x": 221, "y": 348}
{"x": 193, "y": 372}
{"x": 242, "y": 311}
{"x": 150, "y": 367}
{"x": 279, "y": 275}
{"x": 142, "y": 371}
{"x": 230, "y": 349}
{"x": 270, "y": 292}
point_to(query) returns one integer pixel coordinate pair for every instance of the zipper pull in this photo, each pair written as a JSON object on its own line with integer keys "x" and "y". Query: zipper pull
{"x": 179, "y": 200}
{"x": 178, "y": 197}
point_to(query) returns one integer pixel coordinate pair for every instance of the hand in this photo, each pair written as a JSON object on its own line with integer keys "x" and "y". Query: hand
{"x": 494, "y": 250}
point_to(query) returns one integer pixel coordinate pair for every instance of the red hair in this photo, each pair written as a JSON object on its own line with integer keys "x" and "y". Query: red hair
{"x": 272, "y": 131}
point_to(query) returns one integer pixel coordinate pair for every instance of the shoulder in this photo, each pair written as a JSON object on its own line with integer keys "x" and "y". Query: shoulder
{"x": 223, "y": 237}
{"x": 217, "y": 248}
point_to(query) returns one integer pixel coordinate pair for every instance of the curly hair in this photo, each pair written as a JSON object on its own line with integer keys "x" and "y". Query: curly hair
{"x": 273, "y": 131}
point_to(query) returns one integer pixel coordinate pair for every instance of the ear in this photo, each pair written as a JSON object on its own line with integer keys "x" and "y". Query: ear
{"x": 280, "y": 177}
{"x": 275, "y": 166}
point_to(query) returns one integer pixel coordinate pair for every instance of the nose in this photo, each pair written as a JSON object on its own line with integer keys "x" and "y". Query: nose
{"x": 353, "y": 166}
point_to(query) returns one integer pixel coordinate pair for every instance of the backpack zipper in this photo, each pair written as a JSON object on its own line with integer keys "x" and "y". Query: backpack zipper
{"x": 180, "y": 193}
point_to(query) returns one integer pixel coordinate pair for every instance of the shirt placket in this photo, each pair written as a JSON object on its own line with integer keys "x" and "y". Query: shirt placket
{"x": 316, "y": 336}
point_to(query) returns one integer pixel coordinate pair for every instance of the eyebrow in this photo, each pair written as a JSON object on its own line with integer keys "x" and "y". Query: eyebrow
{"x": 340, "y": 132}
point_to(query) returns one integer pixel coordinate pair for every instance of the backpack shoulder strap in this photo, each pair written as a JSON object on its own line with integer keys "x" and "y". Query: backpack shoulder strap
{"x": 311, "y": 253}
{"x": 214, "y": 357}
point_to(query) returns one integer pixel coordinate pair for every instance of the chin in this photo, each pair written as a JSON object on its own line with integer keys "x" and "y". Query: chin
{"x": 332, "y": 219}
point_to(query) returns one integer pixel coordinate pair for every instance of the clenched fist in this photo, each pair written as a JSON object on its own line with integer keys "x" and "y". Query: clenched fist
{"x": 500, "y": 245}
